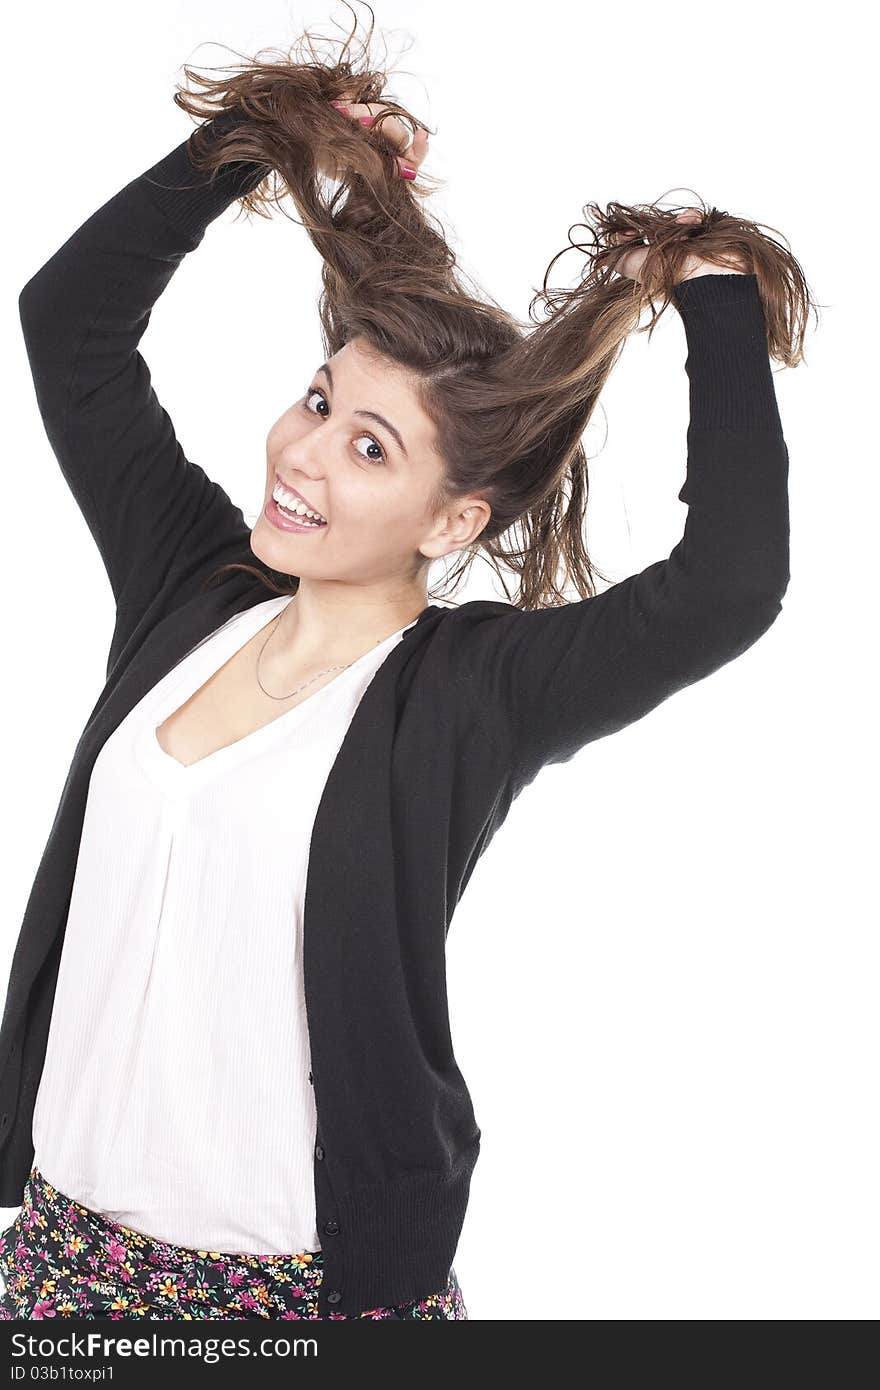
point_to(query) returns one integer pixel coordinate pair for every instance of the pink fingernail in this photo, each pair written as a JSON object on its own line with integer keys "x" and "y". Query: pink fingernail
{"x": 409, "y": 172}
{"x": 339, "y": 107}
{"x": 366, "y": 120}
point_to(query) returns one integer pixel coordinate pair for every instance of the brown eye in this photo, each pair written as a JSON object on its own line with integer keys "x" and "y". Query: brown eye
{"x": 375, "y": 445}
{"x": 314, "y": 392}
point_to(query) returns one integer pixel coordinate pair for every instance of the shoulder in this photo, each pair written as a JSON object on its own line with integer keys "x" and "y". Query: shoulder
{"x": 465, "y": 617}
{"x": 472, "y": 626}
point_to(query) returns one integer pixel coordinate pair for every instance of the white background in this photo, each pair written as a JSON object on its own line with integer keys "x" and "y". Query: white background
{"x": 663, "y": 975}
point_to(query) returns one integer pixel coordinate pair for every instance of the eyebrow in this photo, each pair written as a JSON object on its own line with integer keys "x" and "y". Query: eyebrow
{"x": 372, "y": 415}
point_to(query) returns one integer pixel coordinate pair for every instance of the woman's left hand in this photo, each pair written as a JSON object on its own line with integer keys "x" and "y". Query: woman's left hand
{"x": 631, "y": 263}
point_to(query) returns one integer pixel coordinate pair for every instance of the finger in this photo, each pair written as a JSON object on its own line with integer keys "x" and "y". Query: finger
{"x": 391, "y": 127}
{"x": 630, "y": 264}
{"x": 415, "y": 154}
{"x": 413, "y": 148}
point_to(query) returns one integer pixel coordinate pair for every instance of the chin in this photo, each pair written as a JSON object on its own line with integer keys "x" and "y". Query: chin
{"x": 268, "y": 547}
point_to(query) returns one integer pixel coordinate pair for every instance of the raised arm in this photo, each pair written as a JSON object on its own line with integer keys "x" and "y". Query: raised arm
{"x": 153, "y": 513}
{"x": 561, "y": 677}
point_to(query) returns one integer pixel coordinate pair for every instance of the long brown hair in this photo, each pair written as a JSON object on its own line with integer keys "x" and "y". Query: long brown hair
{"x": 510, "y": 399}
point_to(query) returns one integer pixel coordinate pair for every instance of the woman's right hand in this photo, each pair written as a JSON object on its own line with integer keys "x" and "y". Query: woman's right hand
{"x": 392, "y": 129}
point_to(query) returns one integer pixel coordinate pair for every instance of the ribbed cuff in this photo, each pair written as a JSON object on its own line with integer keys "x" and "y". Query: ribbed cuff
{"x": 728, "y": 362}
{"x": 192, "y": 198}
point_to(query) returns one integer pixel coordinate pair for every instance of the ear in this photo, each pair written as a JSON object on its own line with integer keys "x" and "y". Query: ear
{"x": 459, "y": 525}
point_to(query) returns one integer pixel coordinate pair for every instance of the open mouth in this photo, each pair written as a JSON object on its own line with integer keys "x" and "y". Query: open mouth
{"x": 294, "y": 508}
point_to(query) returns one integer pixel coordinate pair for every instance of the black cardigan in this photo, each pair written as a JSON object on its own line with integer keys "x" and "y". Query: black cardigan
{"x": 476, "y": 698}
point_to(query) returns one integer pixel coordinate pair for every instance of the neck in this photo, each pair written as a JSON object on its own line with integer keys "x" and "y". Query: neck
{"x": 329, "y": 627}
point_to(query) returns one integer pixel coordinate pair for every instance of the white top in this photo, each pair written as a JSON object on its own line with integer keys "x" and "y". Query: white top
{"x": 175, "y": 1096}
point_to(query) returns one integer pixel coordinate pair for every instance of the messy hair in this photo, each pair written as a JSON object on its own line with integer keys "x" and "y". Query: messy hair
{"x": 510, "y": 399}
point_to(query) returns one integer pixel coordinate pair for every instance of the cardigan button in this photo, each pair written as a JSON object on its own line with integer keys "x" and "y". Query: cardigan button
{"x": 334, "y": 1296}
{"x": 319, "y": 1152}
{"x": 331, "y": 1228}
{"x": 310, "y": 1078}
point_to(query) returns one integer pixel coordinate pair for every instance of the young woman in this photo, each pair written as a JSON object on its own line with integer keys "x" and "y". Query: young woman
{"x": 228, "y": 1085}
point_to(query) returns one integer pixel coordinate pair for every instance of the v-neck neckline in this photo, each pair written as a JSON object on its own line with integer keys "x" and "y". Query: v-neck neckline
{"x": 180, "y": 777}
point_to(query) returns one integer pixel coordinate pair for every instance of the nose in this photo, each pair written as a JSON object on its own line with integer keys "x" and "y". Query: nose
{"x": 299, "y": 467}
{"x": 302, "y": 457}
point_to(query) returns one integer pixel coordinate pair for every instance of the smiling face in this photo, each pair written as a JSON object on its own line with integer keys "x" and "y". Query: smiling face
{"x": 358, "y": 449}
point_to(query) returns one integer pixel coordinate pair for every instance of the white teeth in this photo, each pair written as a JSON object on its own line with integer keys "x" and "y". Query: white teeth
{"x": 292, "y": 504}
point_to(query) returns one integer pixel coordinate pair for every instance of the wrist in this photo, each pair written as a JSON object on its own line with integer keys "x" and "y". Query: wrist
{"x": 707, "y": 268}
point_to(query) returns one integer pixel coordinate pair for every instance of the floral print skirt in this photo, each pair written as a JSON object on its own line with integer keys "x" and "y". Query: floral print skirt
{"x": 61, "y": 1259}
